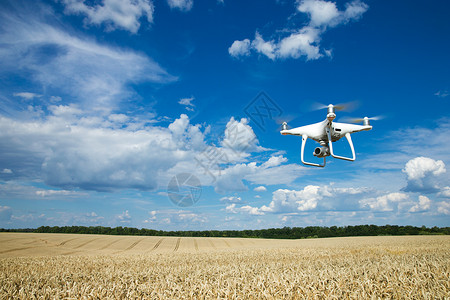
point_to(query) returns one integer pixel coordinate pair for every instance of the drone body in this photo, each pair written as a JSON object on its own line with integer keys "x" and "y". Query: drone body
{"x": 325, "y": 133}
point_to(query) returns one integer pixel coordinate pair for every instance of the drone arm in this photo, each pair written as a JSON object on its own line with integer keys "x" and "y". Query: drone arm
{"x": 304, "y": 138}
{"x": 349, "y": 139}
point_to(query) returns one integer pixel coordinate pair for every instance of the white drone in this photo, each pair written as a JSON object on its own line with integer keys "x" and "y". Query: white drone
{"x": 327, "y": 132}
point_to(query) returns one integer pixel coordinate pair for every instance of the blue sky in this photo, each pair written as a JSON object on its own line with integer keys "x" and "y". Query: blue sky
{"x": 103, "y": 103}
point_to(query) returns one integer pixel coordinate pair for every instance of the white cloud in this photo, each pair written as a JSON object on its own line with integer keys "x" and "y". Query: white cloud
{"x": 442, "y": 94}
{"x": 240, "y": 137}
{"x": 421, "y": 172}
{"x": 46, "y": 193}
{"x": 284, "y": 200}
{"x": 251, "y": 210}
{"x": 240, "y": 48}
{"x": 6, "y": 171}
{"x": 324, "y": 13}
{"x": 179, "y": 218}
{"x": 152, "y": 217}
{"x": 260, "y": 189}
{"x": 124, "y": 217}
{"x": 320, "y": 12}
{"x": 445, "y": 192}
{"x": 263, "y": 47}
{"x": 275, "y": 161}
{"x": 55, "y": 99}
{"x": 97, "y": 75}
{"x": 187, "y": 136}
{"x": 123, "y": 14}
{"x": 354, "y": 10}
{"x": 305, "y": 41}
{"x": 187, "y": 102}
{"x": 302, "y": 43}
{"x": 183, "y": 5}
{"x": 244, "y": 209}
{"x": 282, "y": 174}
{"x": 418, "y": 167}
{"x": 423, "y": 205}
{"x": 444, "y": 207}
{"x": 27, "y": 95}
{"x": 232, "y": 177}
{"x": 68, "y": 150}
{"x": 385, "y": 202}
{"x": 72, "y": 149}
{"x": 231, "y": 199}
{"x": 187, "y": 216}
{"x": 118, "y": 118}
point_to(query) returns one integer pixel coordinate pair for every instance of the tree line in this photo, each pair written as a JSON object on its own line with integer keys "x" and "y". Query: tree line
{"x": 271, "y": 233}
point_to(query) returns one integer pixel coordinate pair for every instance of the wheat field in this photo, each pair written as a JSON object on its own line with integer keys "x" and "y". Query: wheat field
{"x": 62, "y": 266}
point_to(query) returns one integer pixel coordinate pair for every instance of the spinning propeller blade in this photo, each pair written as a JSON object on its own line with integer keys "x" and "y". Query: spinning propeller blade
{"x": 347, "y": 106}
{"x": 359, "y": 120}
{"x": 284, "y": 119}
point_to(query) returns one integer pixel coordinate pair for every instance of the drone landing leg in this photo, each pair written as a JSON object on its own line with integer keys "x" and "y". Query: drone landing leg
{"x": 349, "y": 139}
{"x": 304, "y": 138}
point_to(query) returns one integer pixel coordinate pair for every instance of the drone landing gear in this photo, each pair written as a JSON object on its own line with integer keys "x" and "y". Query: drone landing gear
{"x": 304, "y": 138}
{"x": 349, "y": 139}
{"x": 330, "y": 145}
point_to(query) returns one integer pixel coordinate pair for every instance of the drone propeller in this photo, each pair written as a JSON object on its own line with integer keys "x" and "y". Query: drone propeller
{"x": 282, "y": 126}
{"x": 283, "y": 120}
{"x": 347, "y": 106}
{"x": 365, "y": 120}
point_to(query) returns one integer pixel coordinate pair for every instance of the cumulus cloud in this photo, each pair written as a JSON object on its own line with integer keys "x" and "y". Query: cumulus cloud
{"x": 97, "y": 75}
{"x": 284, "y": 200}
{"x": 320, "y": 12}
{"x": 152, "y": 217}
{"x": 240, "y": 48}
{"x": 305, "y": 41}
{"x": 444, "y": 207}
{"x": 123, "y": 14}
{"x": 324, "y": 13}
{"x": 264, "y": 47}
{"x": 231, "y": 199}
{"x": 275, "y": 161}
{"x": 260, "y": 189}
{"x": 177, "y": 218}
{"x": 445, "y": 192}
{"x": 244, "y": 209}
{"x": 232, "y": 177}
{"x": 384, "y": 203}
{"x": 240, "y": 137}
{"x": 423, "y": 205}
{"x": 183, "y": 5}
{"x": 421, "y": 174}
{"x": 302, "y": 43}
{"x": 124, "y": 217}
{"x": 70, "y": 151}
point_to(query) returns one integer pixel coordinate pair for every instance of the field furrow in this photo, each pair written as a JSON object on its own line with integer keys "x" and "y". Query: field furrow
{"x": 157, "y": 245}
{"x": 177, "y": 245}
{"x": 134, "y": 244}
